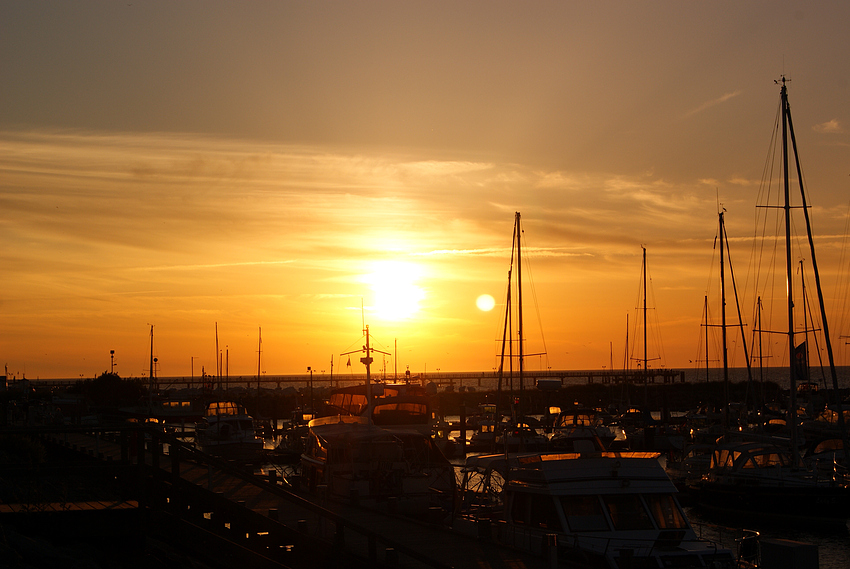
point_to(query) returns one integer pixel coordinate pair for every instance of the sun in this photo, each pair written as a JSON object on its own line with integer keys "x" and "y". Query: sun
{"x": 396, "y": 292}
{"x": 485, "y": 302}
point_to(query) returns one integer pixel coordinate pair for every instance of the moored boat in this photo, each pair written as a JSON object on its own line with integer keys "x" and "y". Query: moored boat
{"x": 349, "y": 459}
{"x": 762, "y": 478}
{"x": 385, "y": 404}
{"x": 227, "y": 431}
{"x": 601, "y": 509}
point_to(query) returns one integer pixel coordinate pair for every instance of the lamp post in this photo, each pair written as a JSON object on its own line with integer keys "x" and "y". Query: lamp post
{"x": 112, "y": 361}
{"x": 310, "y": 369}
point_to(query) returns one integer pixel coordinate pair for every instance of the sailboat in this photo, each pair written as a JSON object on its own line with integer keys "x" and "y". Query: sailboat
{"x": 518, "y": 434}
{"x": 767, "y": 477}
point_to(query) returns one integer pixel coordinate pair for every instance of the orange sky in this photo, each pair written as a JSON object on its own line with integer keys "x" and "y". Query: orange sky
{"x": 283, "y": 165}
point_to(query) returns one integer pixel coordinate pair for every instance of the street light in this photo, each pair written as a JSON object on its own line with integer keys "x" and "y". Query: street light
{"x": 310, "y": 369}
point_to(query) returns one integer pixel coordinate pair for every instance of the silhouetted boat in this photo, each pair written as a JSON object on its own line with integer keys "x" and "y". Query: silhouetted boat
{"x": 605, "y": 510}
{"x": 764, "y": 478}
{"x": 227, "y": 431}
{"x": 349, "y": 459}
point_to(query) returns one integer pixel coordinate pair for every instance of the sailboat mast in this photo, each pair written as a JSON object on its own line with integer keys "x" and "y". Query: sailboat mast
{"x": 761, "y": 351}
{"x": 626, "y": 357}
{"x": 792, "y": 410}
{"x": 506, "y": 335}
{"x": 518, "y": 232}
{"x": 723, "y": 330}
{"x": 824, "y": 323}
{"x": 645, "y": 359}
{"x": 259, "y": 359}
{"x": 217, "y": 357}
{"x": 152, "y": 370}
{"x": 367, "y": 361}
{"x": 152, "y": 377}
{"x": 806, "y": 317}
{"x": 705, "y": 310}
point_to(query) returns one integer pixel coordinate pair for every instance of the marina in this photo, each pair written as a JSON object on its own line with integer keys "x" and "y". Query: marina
{"x": 240, "y": 509}
{"x": 611, "y": 469}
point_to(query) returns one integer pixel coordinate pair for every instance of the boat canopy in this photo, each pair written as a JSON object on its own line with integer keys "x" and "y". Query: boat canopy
{"x": 223, "y": 408}
{"x": 749, "y": 456}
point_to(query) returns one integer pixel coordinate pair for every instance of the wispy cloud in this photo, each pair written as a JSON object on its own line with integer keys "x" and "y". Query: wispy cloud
{"x": 210, "y": 266}
{"x": 713, "y": 103}
{"x": 828, "y": 127}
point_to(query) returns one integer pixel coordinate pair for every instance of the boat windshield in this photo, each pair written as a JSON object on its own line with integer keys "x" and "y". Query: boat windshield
{"x": 584, "y": 513}
{"x": 665, "y": 511}
{"x": 535, "y": 510}
{"x": 766, "y": 460}
{"x": 627, "y": 512}
{"x": 400, "y": 413}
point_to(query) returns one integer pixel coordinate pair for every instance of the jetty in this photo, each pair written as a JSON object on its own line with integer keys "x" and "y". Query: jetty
{"x": 442, "y": 379}
{"x": 224, "y": 514}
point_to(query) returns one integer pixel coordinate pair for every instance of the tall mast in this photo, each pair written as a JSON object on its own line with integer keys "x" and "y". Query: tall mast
{"x": 259, "y": 359}
{"x": 506, "y": 335}
{"x": 761, "y": 351}
{"x": 824, "y": 322}
{"x": 626, "y": 356}
{"x": 217, "y": 357}
{"x": 705, "y": 309}
{"x": 645, "y": 370}
{"x": 518, "y": 237}
{"x": 152, "y": 377}
{"x": 723, "y": 331}
{"x": 806, "y": 317}
{"x": 367, "y": 361}
{"x": 152, "y": 368}
{"x": 792, "y": 376}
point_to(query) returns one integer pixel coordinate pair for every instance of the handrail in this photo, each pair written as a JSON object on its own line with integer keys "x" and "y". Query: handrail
{"x": 282, "y": 492}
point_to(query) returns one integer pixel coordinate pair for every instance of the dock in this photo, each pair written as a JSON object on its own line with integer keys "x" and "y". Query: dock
{"x": 444, "y": 379}
{"x": 237, "y": 516}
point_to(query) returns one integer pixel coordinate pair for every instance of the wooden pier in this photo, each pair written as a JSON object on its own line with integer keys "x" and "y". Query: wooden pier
{"x": 440, "y": 378}
{"x": 239, "y": 517}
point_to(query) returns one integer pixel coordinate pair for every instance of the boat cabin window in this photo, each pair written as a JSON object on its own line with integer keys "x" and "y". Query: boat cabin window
{"x": 400, "y": 413}
{"x": 627, "y": 512}
{"x": 666, "y": 511}
{"x": 724, "y": 458}
{"x": 535, "y": 510}
{"x": 766, "y": 460}
{"x": 519, "y": 508}
{"x": 829, "y": 445}
{"x": 352, "y": 403}
{"x": 584, "y": 513}
{"x": 543, "y": 514}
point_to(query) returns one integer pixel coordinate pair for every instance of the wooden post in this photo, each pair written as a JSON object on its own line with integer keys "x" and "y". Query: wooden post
{"x": 174, "y": 452}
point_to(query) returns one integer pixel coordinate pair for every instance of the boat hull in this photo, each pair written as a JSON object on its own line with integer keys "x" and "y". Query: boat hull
{"x": 801, "y": 505}
{"x": 238, "y": 451}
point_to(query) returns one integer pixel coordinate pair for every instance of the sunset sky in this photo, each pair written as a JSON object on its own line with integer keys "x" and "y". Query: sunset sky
{"x": 303, "y": 167}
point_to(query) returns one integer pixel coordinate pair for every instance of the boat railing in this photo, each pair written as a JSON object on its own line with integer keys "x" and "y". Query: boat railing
{"x": 743, "y": 541}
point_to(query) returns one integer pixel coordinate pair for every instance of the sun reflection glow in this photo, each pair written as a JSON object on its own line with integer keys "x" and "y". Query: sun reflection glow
{"x": 485, "y": 302}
